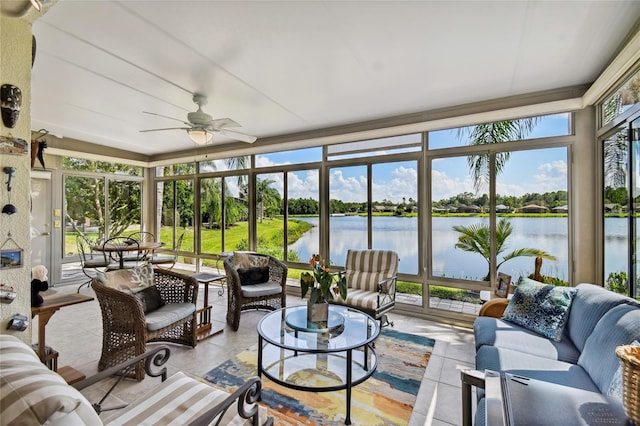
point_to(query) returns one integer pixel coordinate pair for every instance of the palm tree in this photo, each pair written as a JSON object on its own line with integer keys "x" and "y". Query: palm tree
{"x": 265, "y": 195}
{"x": 477, "y": 239}
{"x": 490, "y": 133}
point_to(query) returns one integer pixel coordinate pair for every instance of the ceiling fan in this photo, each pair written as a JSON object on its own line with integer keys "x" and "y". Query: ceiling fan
{"x": 201, "y": 126}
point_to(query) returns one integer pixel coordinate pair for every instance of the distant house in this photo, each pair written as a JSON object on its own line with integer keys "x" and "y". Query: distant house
{"x": 532, "y": 208}
{"x": 469, "y": 209}
{"x": 384, "y": 209}
{"x": 560, "y": 209}
{"x": 501, "y": 208}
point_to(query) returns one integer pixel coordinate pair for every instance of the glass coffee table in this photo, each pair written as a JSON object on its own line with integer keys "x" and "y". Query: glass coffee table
{"x": 318, "y": 357}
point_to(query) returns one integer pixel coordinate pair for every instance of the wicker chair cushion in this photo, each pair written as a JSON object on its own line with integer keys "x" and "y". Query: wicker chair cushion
{"x": 168, "y": 314}
{"x": 255, "y": 275}
{"x": 151, "y": 299}
{"x": 178, "y": 400}
{"x": 130, "y": 280}
{"x": 260, "y": 290}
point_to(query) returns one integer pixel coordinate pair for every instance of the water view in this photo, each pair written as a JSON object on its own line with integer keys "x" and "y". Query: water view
{"x": 401, "y": 235}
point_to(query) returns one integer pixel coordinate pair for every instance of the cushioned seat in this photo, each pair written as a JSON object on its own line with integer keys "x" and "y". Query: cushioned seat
{"x": 371, "y": 282}
{"x": 503, "y": 334}
{"x": 141, "y": 305}
{"x": 263, "y": 289}
{"x": 179, "y": 400}
{"x": 168, "y": 314}
{"x": 255, "y": 281}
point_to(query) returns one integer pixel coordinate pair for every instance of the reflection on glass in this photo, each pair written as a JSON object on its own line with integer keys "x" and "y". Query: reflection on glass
{"x": 298, "y": 156}
{"x": 623, "y": 99}
{"x": 635, "y": 152}
{"x": 502, "y": 131}
{"x": 616, "y": 218}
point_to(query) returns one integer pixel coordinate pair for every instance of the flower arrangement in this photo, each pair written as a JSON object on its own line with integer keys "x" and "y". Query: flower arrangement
{"x": 322, "y": 283}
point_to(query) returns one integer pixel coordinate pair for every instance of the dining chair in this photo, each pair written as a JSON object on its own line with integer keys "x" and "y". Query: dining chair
{"x": 90, "y": 260}
{"x": 166, "y": 259}
{"x": 123, "y": 253}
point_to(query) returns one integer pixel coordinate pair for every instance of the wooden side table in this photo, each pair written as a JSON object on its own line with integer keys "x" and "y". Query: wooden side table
{"x": 50, "y": 306}
{"x": 205, "y": 328}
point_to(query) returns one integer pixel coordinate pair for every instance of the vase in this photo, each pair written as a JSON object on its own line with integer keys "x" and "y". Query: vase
{"x": 317, "y": 312}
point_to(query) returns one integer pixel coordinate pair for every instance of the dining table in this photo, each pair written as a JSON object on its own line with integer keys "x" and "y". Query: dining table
{"x": 120, "y": 250}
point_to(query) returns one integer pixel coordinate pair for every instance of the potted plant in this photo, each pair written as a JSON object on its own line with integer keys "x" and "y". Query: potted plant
{"x": 323, "y": 286}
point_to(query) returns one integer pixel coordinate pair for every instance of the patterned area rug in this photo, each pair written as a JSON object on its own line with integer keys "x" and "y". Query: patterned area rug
{"x": 386, "y": 398}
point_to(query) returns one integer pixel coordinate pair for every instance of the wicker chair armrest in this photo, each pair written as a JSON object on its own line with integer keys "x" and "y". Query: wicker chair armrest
{"x": 175, "y": 287}
{"x": 493, "y": 308}
{"x": 233, "y": 279}
{"x": 246, "y": 397}
{"x": 278, "y": 271}
{"x": 116, "y": 300}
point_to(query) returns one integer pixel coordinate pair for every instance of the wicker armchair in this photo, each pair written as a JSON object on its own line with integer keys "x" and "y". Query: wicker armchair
{"x": 269, "y": 295}
{"x": 126, "y": 327}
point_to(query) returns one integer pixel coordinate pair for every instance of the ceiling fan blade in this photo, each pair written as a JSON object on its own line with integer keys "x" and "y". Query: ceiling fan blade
{"x": 166, "y": 116}
{"x": 221, "y": 123}
{"x": 237, "y": 135}
{"x": 166, "y": 128}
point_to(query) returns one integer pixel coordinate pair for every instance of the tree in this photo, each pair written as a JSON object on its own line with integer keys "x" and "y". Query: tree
{"x": 477, "y": 239}
{"x": 266, "y": 197}
{"x": 490, "y": 133}
{"x": 85, "y": 201}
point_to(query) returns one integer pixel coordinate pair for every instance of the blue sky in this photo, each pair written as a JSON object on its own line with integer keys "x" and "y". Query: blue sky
{"x": 526, "y": 171}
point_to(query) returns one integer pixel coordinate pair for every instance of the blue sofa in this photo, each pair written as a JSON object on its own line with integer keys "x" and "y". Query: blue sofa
{"x": 598, "y": 321}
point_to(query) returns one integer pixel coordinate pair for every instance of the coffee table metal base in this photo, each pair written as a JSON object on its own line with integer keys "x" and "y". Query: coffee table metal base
{"x": 335, "y": 362}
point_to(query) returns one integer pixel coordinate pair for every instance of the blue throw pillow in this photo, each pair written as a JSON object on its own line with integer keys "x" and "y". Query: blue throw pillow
{"x": 540, "y": 308}
{"x": 255, "y": 275}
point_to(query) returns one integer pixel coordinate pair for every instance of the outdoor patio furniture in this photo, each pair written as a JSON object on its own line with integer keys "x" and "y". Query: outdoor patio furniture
{"x": 90, "y": 260}
{"x": 124, "y": 252}
{"x": 132, "y": 316}
{"x": 243, "y": 295}
{"x": 371, "y": 281}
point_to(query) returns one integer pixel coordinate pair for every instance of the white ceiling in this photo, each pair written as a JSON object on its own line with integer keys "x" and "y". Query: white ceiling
{"x": 290, "y": 66}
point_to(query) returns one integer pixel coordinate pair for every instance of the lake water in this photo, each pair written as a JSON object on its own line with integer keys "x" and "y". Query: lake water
{"x": 400, "y": 234}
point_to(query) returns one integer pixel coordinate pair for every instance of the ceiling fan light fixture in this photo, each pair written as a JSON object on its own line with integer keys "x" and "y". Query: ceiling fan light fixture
{"x": 199, "y": 136}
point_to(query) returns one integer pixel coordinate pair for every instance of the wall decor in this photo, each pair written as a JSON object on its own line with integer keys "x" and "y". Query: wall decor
{"x": 9, "y": 145}
{"x": 11, "y": 258}
{"x": 10, "y": 104}
{"x": 18, "y": 322}
{"x": 7, "y": 293}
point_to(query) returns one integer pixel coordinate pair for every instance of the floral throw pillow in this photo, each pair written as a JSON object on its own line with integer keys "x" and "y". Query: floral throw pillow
{"x": 540, "y": 308}
{"x": 128, "y": 280}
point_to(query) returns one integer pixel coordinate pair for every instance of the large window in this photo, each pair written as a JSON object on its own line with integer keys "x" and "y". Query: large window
{"x": 101, "y": 200}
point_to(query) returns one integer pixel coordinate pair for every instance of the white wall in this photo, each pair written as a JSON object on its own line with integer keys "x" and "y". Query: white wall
{"x": 15, "y": 68}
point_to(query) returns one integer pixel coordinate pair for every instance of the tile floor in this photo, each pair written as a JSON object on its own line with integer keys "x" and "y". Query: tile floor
{"x": 75, "y": 332}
